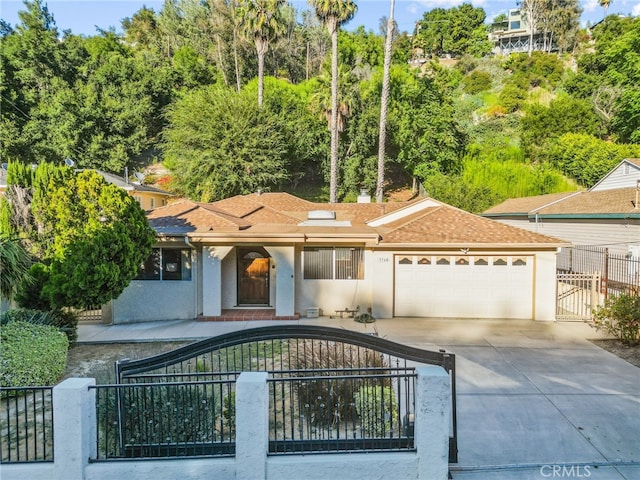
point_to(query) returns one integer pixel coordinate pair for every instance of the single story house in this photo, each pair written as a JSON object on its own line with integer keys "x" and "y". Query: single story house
{"x": 420, "y": 258}
{"x": 607, "y": 215}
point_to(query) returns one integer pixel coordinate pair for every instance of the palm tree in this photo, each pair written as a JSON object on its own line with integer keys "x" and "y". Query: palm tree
{"x": 605, "y": 4}
{"x": 334, "y": 13}
{"x": 261, "y": 21}
{"x": 384, "y": 100}
{"x": 14, "y": 266}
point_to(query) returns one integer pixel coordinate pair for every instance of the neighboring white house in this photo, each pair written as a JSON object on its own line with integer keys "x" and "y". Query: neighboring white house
{"x": 273, "y": 250}
{"x": 624, "y": 175}
{"x": 607, "y": 215}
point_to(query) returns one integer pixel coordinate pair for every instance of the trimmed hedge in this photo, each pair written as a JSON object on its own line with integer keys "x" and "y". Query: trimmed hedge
{"x": 31, "y": 355}
{"x": 65, "y": 321}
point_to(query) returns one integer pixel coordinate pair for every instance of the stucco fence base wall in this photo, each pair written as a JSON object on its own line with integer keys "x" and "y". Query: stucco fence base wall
{"x": 75, "y": 432}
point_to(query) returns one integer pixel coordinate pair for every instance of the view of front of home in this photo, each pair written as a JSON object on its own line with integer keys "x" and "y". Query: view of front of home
{"x": 485, "y": 328}
{"x": 420, "y": 258}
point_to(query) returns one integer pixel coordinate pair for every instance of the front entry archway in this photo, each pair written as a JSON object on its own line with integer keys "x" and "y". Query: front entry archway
{"x": 253, "y": 276}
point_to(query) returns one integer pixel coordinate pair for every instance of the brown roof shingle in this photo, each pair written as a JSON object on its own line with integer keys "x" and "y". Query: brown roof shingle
{"x": 525, "y": 205}
{"x": 614, "y": 201}
{"x": 449, "y": 225}
{"x": 282, "y": 214}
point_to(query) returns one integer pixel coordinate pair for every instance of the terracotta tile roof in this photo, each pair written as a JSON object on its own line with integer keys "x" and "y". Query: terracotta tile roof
{"x": 449, "y": 225}
{"x": 524, "y": 205}
{"x": 614, "y": 201}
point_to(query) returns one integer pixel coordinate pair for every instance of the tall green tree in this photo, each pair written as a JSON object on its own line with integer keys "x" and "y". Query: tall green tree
{"x": 89, "y": 238}
{"x": 454, "y": 31}
{"x": 219, "y": 143}
{"x": 334, "y": 13}
{"x": 261, "y": 22}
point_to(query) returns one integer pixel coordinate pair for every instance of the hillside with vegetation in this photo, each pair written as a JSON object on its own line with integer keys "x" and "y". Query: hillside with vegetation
{"x": 230, "y": 100}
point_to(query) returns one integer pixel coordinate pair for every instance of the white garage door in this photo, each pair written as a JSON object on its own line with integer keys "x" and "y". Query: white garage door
{"x": 464, "y": 286}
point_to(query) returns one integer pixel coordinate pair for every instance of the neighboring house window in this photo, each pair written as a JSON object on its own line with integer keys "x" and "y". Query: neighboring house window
{"x": 166, "y": 264}
{"x": 138, "y": 199}
{"x": 152, "y": 202}
{"x": 328, "y": 263}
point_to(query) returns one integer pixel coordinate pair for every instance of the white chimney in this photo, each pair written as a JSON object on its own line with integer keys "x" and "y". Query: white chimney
{"x": 364, "y": 197}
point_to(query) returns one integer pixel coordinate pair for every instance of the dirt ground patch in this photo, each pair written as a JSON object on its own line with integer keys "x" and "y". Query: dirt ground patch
{"x": 97, "y": 360}
{"x": 629, "y": 353}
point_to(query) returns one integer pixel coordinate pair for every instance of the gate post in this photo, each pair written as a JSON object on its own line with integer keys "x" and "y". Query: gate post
{"x": 252, "y": 426}
{"x": 432, "y": 422}
{"x": 74, "y": 435}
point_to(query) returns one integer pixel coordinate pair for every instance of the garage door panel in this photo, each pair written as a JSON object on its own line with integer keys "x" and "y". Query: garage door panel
{"x": 467, "y": 287}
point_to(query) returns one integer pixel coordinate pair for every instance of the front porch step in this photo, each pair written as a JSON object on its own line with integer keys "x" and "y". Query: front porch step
{"x": 241, "y": 315}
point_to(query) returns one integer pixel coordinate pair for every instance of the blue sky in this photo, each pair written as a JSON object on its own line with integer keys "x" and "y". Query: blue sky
{"x": 82, "y": 16}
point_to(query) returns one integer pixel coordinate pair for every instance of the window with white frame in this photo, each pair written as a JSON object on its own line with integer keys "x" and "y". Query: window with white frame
{"x": 166, "y": 264}
{"x": 333, "y": 263}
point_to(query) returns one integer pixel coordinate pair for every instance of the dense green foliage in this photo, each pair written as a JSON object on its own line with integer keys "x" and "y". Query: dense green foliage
{"x": 377, "y": 407}
{"x": 220, "y": 144}
{"x": 31, "y": 354}
{"x": 179, "y": 86}
{"x": 65, "y": 321}
{"x": 14, "y": 265}
{"x": 453, "y": 31}
{"x": 88, "y": 237}
{"x": 587, "y": 158}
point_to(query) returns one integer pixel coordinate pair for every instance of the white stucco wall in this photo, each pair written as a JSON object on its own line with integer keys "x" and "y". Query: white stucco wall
{"x": 282, "y": 279}
{"x": 332, "y": 295}
{"x": 381, "y": 268}
{"x": 229, "y": 285}
{"x": 544, "y": 302}
{"x": 151, "y": 300}
{"x": 213, "y": 273}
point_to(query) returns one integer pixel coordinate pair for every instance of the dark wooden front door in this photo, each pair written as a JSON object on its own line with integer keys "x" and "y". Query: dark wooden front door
{"x": 253, "y": 276}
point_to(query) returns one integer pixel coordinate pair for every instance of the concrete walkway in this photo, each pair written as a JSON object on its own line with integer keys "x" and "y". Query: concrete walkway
{"x": 535, "y": 400}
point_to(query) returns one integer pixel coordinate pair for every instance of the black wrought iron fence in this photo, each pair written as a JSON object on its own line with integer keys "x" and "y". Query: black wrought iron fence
{"x": 320, "y": 354}
{"x": 26, "y": 424}
{"x": 166, "y": 419}
{"x": 350, "y": 410}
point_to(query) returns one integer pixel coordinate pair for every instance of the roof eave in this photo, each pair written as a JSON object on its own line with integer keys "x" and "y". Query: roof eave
{"x": 479, "y": 246}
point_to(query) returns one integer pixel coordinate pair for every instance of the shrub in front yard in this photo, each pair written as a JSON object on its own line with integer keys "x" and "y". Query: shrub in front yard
{"x": 377, "y": 408}
{"x": 620, "y": 317}
{"x": 31, "y": 355}
{"x": 326, "y": 401}
{"x": 65, "y": 321}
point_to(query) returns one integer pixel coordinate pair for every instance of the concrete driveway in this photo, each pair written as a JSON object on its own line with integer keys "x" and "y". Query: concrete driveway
{"x": 535, "y": 400}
